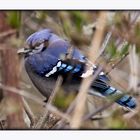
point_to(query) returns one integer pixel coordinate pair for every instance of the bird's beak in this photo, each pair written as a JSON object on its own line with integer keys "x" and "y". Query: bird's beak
{"x": 23, "y": 51}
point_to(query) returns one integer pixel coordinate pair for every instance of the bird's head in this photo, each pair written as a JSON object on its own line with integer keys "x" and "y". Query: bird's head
{"x": 36, "y": 42}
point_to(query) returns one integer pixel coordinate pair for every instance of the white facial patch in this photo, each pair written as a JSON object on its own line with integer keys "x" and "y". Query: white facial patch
{"x": 87, "y": 73}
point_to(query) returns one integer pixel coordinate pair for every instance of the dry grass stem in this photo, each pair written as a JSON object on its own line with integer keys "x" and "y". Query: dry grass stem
{"x": 28, "y": 111}
{"x": 22, "y": 93}
{"x": 37, "y": 100}
{"x": 1, "y": 125}
{"x": 93, "y": 54}
{"x": 7, "y": 33}
{"x": 134, "y": 69}
{"x": 105, "y": 43}
{"x": 100, "y": 109}
{"x": 117, "y": 63}
{"x": 57, "y": 112}
{"x": 42, "y": 120}
{"x": 61, "y": 123}
{"x": 135, "y": 17}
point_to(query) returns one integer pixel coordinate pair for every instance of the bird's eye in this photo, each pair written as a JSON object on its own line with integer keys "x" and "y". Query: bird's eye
{"x": 38, "y": 48}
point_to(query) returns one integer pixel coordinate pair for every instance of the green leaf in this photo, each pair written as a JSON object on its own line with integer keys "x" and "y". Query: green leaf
{"x": 137, "y": 30}
{"x": 116, "y": 121}
{"x": 111, "y": 49}
{"x": 14, "y": 19}
{"x": 78, "y": 19}
{"x": 124, "y": 49}
{"x": 63, "y": 100}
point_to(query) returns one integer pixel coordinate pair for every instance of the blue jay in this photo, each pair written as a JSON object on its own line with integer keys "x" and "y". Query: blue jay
{"x": 44, "y": 63}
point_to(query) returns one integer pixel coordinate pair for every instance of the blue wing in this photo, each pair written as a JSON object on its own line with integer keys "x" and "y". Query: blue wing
{"x": 49, "y": 63}
{"x": 42, "y": 63}
{"x": 47, "y": 66}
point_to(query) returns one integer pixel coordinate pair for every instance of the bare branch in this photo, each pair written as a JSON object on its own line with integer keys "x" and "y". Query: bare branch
{"x": 37, "y": 100}
{"x": 134, "y": 68}
{"x": 22, "y": 93}
{"x": 1, "y": 125}
{"x": 100, "y": 109}
{"x": 117, "y": 63}
{"x": 28, "y": 111}
{"x": 61, "y": 123}
{"x": 105, "y": 43}
{"x": 7, "y": 33}
{"x": 42, "y": 120}
{"x": 57, "y": 112}
{"x": 93, "y": 54}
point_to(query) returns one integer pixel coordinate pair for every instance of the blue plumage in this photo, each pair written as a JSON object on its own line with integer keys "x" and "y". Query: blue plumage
{"x": 48, "y": 62}
{"x": 39, "y": 37}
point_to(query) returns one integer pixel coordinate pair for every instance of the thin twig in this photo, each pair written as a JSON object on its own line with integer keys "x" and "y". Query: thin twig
{"x": 22, "y": 93}
{"x": 134, "y": 66}
{"x": 95, "y": 118}
{"x": 93, "y": 54}
{"x": 100, "y": 109}
{"x": 57, "y": 87}
{"x": 117, "y": 63}
{"x": 125, "y": 55}
{"x": 135, "y": 18}
{"x": 36, "y": 99}
{"x": 58, "y": 113}
{"x": 61, "y": 123}
{"x": 7, "y": 33}
{"x": 28, "y": 111}
{"x": 1, "y": 125}
{"x": 105, "y": 43}
{"x": 42, "y": 120}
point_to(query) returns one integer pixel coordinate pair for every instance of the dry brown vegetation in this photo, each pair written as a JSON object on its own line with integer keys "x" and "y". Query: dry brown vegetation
{"x": 108, "y": 38}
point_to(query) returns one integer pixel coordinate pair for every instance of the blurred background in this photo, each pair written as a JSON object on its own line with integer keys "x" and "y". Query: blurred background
{"x": 120, "y": 50}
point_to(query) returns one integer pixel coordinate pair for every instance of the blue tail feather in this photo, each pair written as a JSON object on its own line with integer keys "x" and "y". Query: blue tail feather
{"x": 126, "y": 100}
{"x": 106, "y": 90}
